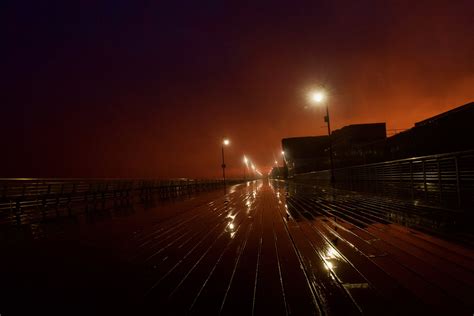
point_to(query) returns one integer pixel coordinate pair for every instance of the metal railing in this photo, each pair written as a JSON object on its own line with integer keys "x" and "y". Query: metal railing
{"x": 29, "y": 200}
{"x": 446, "y": 179}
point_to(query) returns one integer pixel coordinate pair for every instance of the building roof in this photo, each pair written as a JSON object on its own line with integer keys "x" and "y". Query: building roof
{"x": 444, "y": 115}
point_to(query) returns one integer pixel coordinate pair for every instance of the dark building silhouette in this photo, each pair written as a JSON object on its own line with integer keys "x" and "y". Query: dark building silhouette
{"x": 360, "y": 144}
{"x": 450, "y": 131}
{"x": 278, "y": 173}
{"x": 306, "y": 154}
{"x": 350, "y": 146}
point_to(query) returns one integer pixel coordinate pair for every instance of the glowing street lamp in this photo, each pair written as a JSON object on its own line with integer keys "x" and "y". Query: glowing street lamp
{"x": 284, "y": 158}
{"x": 225, "y": 142}
{"x": 246, "y": 163}
{"x": 319, "y": 97}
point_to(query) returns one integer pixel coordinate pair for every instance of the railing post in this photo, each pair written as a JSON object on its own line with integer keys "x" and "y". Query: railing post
{"x": 86, "y": 197}
{"x": 70, "y": 198}
{"x": 58, "y": 199}
{"x": 400, "y": 181}
{"x": 5, "y": 187}
{"x": 424, "y": 180}
{"x": 375, "y": 179}
{"x": 458, "y": 180}
{"x": 411, "y": 181}
{"x": 18, "y": 212}
{"x": 104, "y": 193}
{"x": 440, "y": 185}
{"x": 95, "y": 190}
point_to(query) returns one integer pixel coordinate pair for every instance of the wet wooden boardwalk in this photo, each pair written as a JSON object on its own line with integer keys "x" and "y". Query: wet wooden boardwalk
{"x": 266, "y": 249}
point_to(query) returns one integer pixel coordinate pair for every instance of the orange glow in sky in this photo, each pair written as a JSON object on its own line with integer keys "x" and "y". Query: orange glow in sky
{"x": 150, "y": 92}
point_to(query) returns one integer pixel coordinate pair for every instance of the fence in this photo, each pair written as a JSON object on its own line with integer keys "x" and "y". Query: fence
{"x": 29, "y": 200}
{"x": 446, "y": 179}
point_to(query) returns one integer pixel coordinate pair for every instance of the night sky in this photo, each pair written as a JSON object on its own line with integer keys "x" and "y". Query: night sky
{"x": 148, "y": 89}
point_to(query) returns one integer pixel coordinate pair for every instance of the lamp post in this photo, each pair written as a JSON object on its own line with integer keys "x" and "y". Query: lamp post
{"x": 319, "y": 97}
{"x": 246, "y": 165}
{"x": 225, "y": 142}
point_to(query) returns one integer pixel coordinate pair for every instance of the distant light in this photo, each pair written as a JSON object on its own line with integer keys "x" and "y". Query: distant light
{"x": 283, "y": 152}
{"x": 316, "y": 96}
{"x": 276, "y": 162}
{"x": 246, "y": 161}
{"x": 226, "y": 142}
